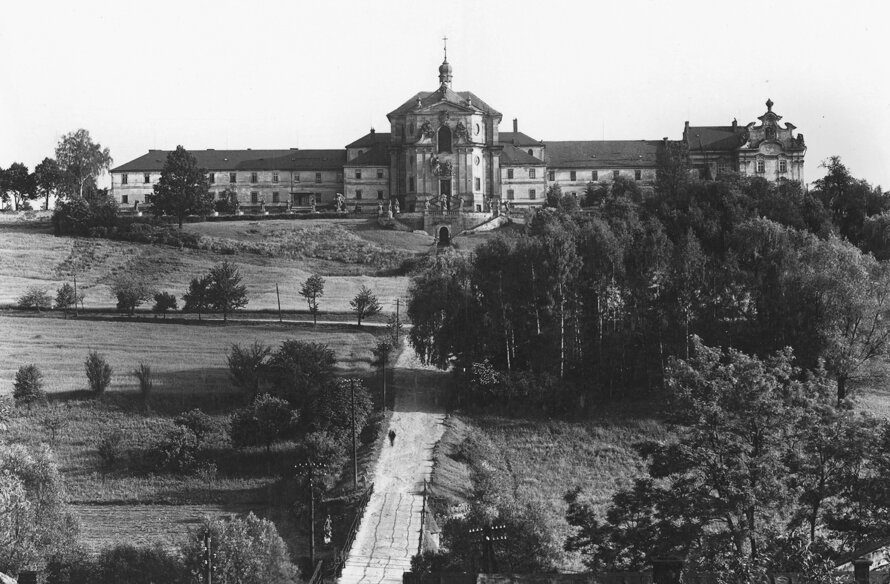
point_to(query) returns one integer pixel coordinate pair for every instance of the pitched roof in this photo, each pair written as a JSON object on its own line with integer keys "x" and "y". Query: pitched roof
{"x": 377, "y": 155}
{"x": 293, "y": 159}
{"x": 602, "y": 153}
{"x": 521, "y": 139}
{"x": 446, "y": 94}
{"x": 513, "y": 156}
{"x": 713, "y": 137}
{"x": 370, "y": 139}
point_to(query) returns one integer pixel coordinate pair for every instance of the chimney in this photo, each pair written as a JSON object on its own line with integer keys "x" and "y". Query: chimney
{"x": 860, "y": 571}
{"x": 515, "y": 125}
{"x": 372, "y": 130}
{"x": 735, "y": 124}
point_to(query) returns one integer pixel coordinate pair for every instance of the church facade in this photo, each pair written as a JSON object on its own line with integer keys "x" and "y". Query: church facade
{"x": 445, "y": 152}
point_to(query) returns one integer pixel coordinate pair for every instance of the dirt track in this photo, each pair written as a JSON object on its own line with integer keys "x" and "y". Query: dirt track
{"x": 390, "y": 530}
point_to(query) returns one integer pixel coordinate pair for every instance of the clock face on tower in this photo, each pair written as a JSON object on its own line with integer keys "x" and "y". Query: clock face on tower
{"x": 476, "y": 161}
{"x": 477, "y": 129}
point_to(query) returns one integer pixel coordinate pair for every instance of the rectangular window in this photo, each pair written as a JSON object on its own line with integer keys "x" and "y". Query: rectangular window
{"x": 358, "y": 174}
{"x": 147, "y": 199}
{"x": 253, "y": 177}
{"x": 296, "y": 177}
{"x": 478, "y": 184}
{"x": 532, "y": 194}
{"x": 212, "y": 177}
{"x": 358, "y": 195}
{"x": 124, "y": 199}
{"x": 146, "y": 178}
{"x": 318, "y": 177}
{"x": 275, "y": 198}
{"x": 410, "y": 184}
{"x": 124, "y": 179}
{"x": 552, "y": 175}
{"x": 510, "y": 194}
{"x": 379, "y": 173}
{"x": 274, "y": 177}
{"x": 616, "y": 174}
{"x": 233, "y": 177}
{"x": 509, "y": 173}
{"x": 783, "y": 166}
{"x": 379, "y": 195}
{"x": 761, "y": 166}
{"x": 254, "y": 197}
{"x": 572, "y": 175}
{"x": 594, "y": 175}
{"x": 638, "y": 174}
{"x": 531, "y": 173}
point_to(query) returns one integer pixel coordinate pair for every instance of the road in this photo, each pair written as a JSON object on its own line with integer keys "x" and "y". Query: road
{"x": 389, "y": 533}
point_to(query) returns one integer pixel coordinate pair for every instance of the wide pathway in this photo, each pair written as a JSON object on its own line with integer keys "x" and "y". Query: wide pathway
{"x": 389, "y": 533}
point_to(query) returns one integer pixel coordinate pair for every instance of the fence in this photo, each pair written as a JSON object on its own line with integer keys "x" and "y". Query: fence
{"x": 341, "y": 554}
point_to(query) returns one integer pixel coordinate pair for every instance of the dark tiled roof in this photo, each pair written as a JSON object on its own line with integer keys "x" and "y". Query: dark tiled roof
{"x": 602, "y": 154}
{"x": 713, "y": 138}
{"x": 444, "y": 93}
{"x": 378, "y": 155}
{"x": 370, "y": 139}
{"x": 244, "y": 160}
{"x": 513, "y": 156}
{"x": 521, "y": 139}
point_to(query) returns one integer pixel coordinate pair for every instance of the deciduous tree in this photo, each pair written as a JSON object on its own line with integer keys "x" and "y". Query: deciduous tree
{"x": 183, "y": 187}
{"x": 264, "y": 422}
{"x": 312, "y": 290}
{"x": 364, "y": 304}
{"x": 197, "y": 299}
{"x": 47, "y": 178}
{"x": 81, "y": 161}
{"x": 19, "y": 182}
{"x": 225, "y": 291}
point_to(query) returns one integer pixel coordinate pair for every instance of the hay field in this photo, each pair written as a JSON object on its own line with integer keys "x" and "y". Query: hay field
{"x": 32, "y": 256}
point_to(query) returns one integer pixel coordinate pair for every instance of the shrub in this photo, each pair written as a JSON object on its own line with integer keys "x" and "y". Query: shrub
{"x": 138, "y": 565}
{"x": 247, "y": 366}
{"x": 98, "y": 372}
{"x": 54, "y": 420}
{"x": 176, "y": 450}
{"x": 265, "y": 421}
{"x": 130, "y": 293}
{"x": 298, "y": 370}
{"x": 146, "y": 383}
{"x": 321, "y": 446}
{"x": 35, "y": 298}
{"x": 164, "y": 301}
{"x": 247, "y": 550}
{"x": 196, "y": 422}
{"x": 110, "y": 447}
{"x": 28, "y": 385}
{"x": 65, "y": 298}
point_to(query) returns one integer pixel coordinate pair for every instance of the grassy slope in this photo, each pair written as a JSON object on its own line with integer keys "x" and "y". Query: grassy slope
{"x": 546, "y": 458}
{"x": 189, "y": 364}
{"x": 282, "y": 252}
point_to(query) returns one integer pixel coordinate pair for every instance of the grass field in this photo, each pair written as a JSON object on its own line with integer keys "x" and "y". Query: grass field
{"x": 32, "y": 256}
{"x": 130, "y": 499}
{"x": 546, "y": 458}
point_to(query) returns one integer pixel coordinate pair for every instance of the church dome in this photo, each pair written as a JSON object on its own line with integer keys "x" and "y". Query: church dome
{"x": 445, "y": 72}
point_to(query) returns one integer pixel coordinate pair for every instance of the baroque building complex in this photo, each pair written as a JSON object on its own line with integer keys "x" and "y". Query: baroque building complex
{"x": 445, "y": 152}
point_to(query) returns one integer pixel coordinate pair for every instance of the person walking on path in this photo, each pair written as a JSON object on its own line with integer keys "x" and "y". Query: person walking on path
{"x": 392, "y": 437}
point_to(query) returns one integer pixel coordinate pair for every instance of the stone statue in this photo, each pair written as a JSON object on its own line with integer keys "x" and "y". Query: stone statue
{"x": 426, "y": 206}
{"x": 379, "y": 208}
{"x": 136, "y": 206}
{"x": 341, "y": 204}
{"x": 262, "y": 205}
{"x": 312, "y": 203}
{"x": 395, "y": 206}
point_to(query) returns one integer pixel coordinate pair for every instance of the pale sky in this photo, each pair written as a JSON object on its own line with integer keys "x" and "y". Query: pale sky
{"x": 270, "y": 74}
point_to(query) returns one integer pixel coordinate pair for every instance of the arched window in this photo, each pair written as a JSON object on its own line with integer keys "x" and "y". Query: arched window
{"x": 530, "y": 152}
{"x": 444, "y": 139}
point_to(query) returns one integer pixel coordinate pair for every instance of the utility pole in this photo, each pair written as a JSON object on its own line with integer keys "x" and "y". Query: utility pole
{"x": 309, "y": 469}
{"x": 354, "y": 449}
{"x": 487, "y": 536}
{"x": 208, "y": 558}
{"x": 75, "y": 293}
{"x": 398, "y": 324}
{"x": 279, "y": 301}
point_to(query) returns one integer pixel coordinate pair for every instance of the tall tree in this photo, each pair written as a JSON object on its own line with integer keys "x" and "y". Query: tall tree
{"x": 226, "y": 292}
{"x": 197, "y": 299}
{"x": 312, "y": 290}
{"x": 47, "y": 178}
{"x": 18, "y": 181}
{"x": 81, "y": 161}
{"x": 182, "y": 188}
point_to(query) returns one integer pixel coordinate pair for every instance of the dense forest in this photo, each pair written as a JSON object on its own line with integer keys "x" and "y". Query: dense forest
{"x": 595, "y": 295}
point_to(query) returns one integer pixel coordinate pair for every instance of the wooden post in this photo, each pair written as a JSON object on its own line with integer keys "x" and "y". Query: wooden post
{"x": 75, "y": 294}
{"x": 279, "y": 307}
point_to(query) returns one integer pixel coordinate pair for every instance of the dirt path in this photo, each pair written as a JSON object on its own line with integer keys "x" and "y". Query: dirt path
{"x": 390, "y": 530}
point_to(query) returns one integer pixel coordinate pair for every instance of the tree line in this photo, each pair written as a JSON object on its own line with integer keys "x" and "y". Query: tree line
{"x": 596, "y": 294}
